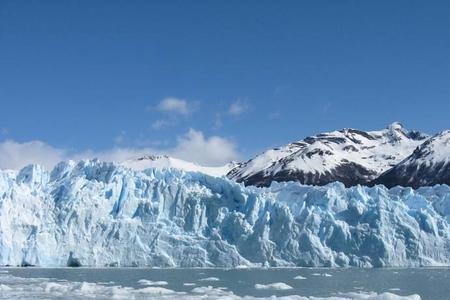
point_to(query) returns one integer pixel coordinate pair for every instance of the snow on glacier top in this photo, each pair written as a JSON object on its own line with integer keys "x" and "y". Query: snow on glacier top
{"x": 165, "y": 162}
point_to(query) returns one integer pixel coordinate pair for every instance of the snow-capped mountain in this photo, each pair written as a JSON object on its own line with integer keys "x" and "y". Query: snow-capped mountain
{"x": 94, "y": 213}
{"x": 429, "y": 164}
{"x": 350, "y": 156}
{"x": 165, "y": 162}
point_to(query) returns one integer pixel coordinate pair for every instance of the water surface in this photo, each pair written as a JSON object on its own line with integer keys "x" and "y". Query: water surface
{"x": 428, "y": 283}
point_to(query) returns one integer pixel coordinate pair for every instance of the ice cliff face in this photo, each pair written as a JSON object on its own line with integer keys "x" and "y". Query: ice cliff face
{"x": 98, "y": 214}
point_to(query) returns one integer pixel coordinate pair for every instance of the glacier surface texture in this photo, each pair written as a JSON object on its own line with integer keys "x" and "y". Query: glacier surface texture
{"x": 94, "y": 213}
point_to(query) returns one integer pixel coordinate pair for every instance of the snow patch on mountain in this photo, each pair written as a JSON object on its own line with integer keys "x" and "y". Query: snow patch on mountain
{"x": 165, "y": 162}
{"x": 434, "y": 151}
{"x": 429, "y": 164}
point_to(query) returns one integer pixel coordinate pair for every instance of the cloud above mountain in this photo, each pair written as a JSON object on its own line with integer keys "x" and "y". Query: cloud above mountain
{"x": 214, "y": 150}
{"x": 193, "y": 146}
{"x": 14, "y": 155}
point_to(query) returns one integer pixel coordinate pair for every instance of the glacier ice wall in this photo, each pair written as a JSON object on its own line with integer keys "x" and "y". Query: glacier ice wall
{"x": 102, "y": 214}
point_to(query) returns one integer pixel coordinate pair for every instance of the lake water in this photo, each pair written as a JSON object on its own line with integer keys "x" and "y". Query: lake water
{"x": 136, "y": 283}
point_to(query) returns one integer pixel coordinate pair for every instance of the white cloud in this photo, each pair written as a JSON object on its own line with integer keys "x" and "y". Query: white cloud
{"x": 214, "y": 150}
{"x": 14, "y": 155}
{"x": 172, "y": 109}
{"x": 175, "y": 105}
{"x": 238, "y": 107}
{"x": 193, "y": 146}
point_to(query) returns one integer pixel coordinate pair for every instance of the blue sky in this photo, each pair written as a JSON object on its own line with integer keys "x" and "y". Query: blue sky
{"x": 229, "y": 77}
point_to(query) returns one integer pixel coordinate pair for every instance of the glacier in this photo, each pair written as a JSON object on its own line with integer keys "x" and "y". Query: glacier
{"x": 95, "y": 213}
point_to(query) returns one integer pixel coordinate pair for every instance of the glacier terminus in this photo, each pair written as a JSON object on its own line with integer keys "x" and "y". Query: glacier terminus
{"x": 95, "y": 213}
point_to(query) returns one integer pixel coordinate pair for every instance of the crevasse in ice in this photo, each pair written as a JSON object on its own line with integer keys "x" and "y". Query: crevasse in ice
{"x": 103, "y": 214}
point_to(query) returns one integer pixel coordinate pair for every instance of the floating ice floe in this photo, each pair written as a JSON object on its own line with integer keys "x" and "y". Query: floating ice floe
{"x": 277, "y": 286}
{"x": 152, "y": 283}
{"x": 209, "y": 279}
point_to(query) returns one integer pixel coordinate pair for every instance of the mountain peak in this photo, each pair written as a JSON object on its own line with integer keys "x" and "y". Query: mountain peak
{"x": 350, "y": 156}
{"x": 397, "y": 131}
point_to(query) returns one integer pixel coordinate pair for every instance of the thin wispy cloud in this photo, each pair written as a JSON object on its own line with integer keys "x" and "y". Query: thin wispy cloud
{"x": 326, "y": 108}
{"x": 274, "y": 115}
{"x": 238, "y": 107}
{"x": 158, "y": 124}
{"x": 280, "y": 90}
{"x": 218, "y": 123}
{"x": 120, "y": 138}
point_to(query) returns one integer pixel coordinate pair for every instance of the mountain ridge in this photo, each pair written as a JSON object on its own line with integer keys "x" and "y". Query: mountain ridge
{"x": 350, "y": 156}
{"x": 429, "y": 164}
